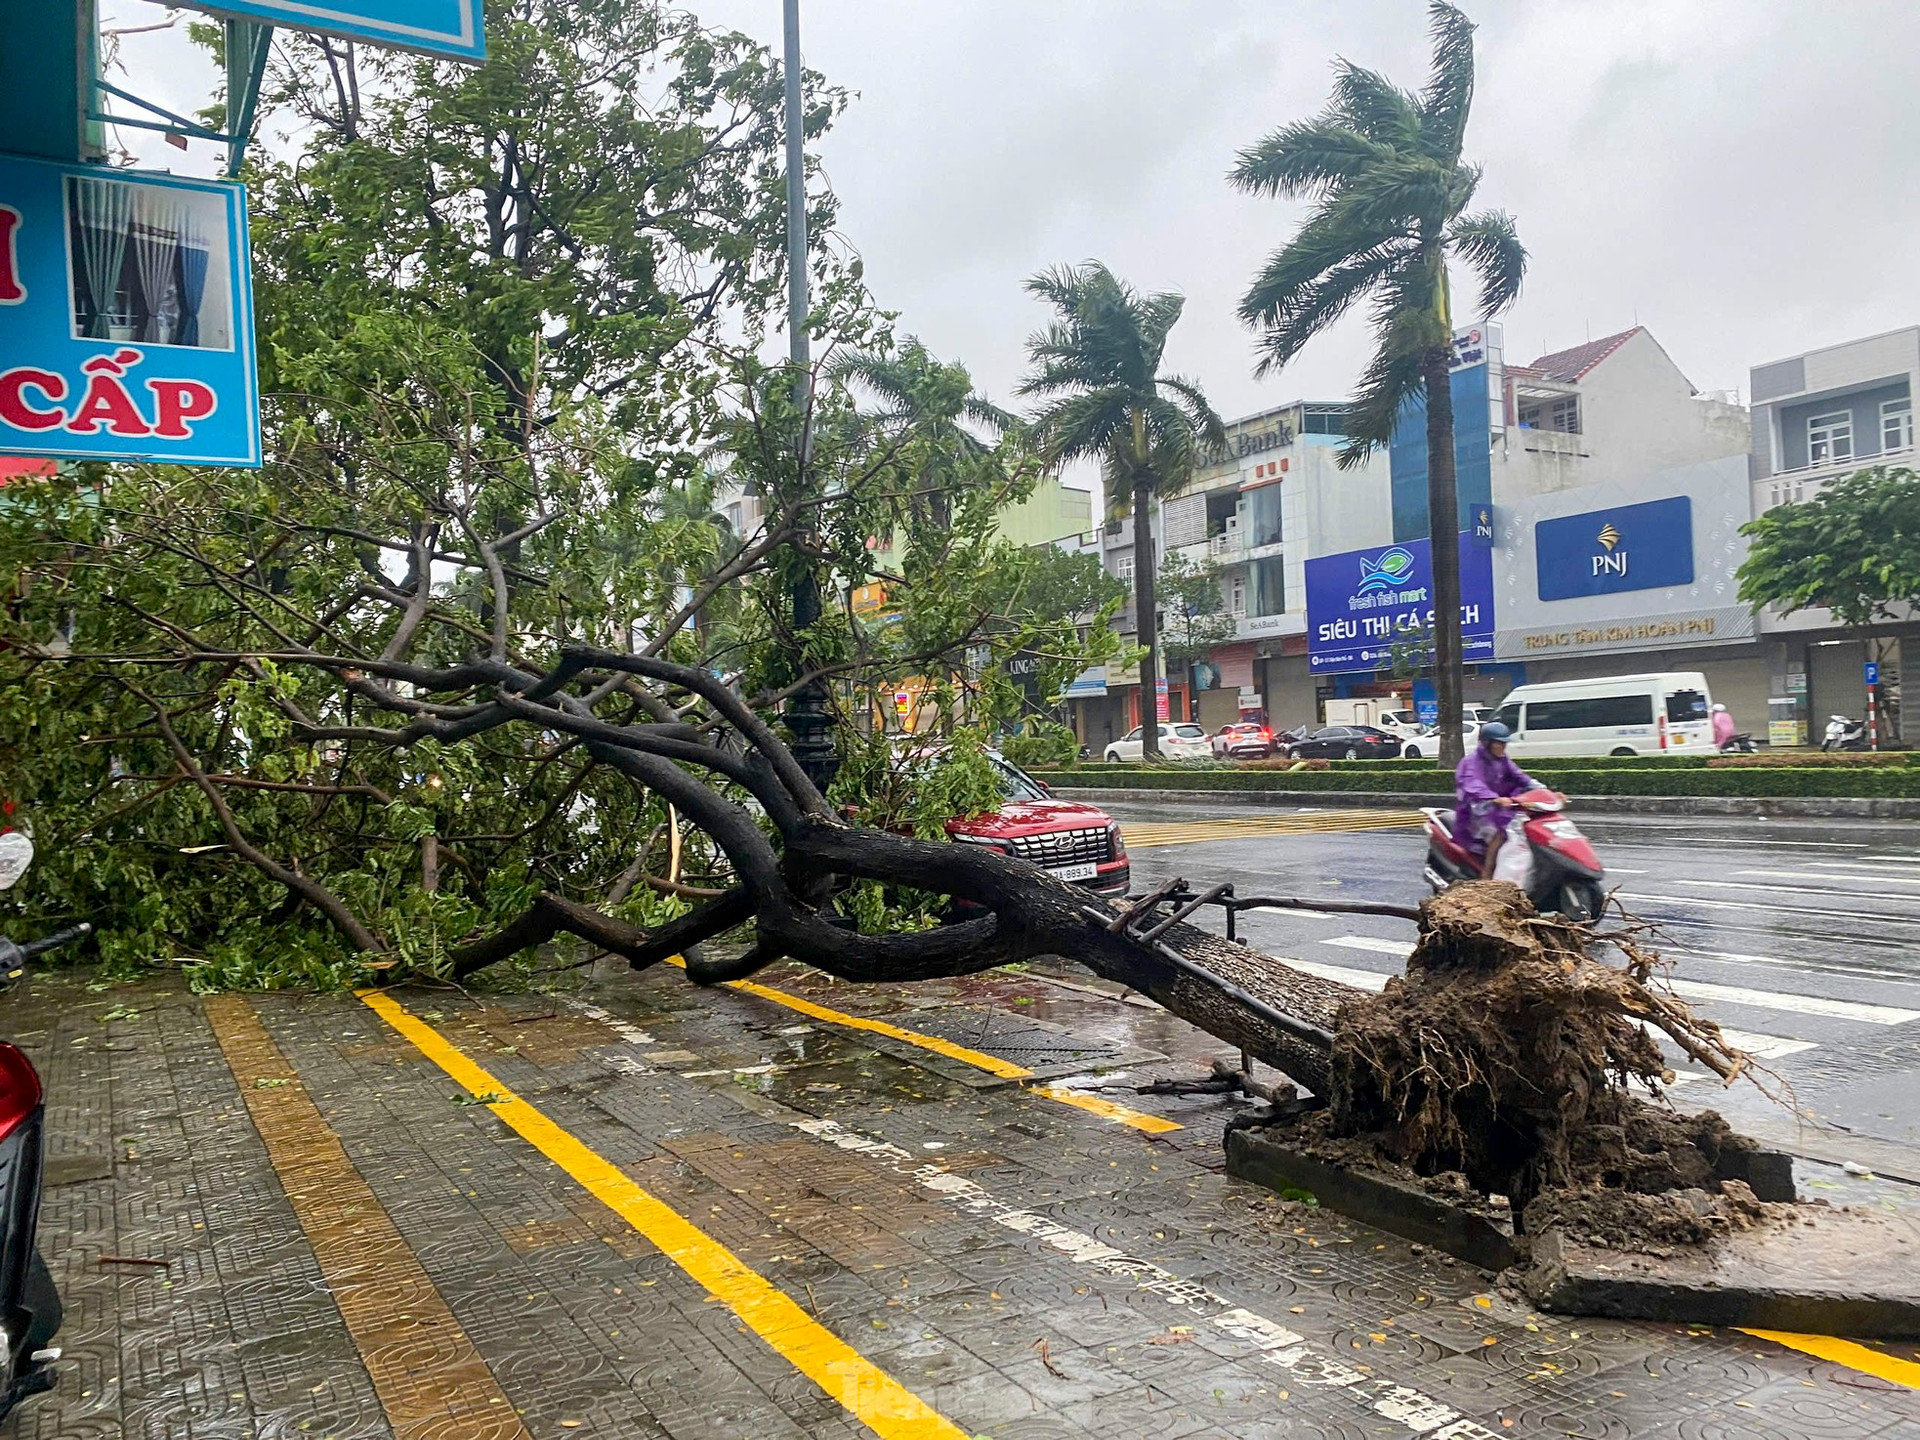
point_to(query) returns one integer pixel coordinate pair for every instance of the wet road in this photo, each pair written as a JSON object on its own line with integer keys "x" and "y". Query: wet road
{"x": 1802, "y": 938}
{"x": 793, "y": 1209}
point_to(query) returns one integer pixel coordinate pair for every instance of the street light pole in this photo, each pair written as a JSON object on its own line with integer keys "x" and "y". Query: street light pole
{"x": 806, "y": 711}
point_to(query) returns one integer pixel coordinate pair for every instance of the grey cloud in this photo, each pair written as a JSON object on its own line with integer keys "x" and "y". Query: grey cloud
{"x": 1739, "y": 175}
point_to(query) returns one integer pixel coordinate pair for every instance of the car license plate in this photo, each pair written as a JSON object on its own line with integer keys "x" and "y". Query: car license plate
{"x": 1074, "y": 872}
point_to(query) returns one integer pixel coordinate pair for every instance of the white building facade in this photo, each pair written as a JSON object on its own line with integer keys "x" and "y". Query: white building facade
{"x": 1819, "y": 416}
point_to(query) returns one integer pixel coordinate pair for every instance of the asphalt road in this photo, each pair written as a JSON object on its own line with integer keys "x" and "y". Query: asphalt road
{"x": 1802, "y": 937}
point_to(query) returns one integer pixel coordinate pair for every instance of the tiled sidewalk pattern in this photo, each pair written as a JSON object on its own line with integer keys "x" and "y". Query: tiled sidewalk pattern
{"x": 998, "y": 1255}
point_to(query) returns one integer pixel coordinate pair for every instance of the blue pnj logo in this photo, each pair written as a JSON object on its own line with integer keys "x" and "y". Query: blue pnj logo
{"x": 1387, "y": 572}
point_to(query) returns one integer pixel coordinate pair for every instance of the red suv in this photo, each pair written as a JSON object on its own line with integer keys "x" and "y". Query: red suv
{"x": 1077, "y": 842}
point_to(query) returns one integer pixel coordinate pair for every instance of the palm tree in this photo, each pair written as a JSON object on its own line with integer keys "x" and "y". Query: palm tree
{"x": 691, "y": 527}
{"x": 1385, "y": 167}
{"x": 1098, "y": 369}
{"x": 926, "y": 407}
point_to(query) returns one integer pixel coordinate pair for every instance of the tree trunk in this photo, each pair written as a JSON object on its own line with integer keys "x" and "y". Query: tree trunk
{"x": 1146, "y": 624}
{"x": 1443, "y": 525}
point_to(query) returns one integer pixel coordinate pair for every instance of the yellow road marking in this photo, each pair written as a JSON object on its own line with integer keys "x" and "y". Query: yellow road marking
{"x": 1846, "y": 1352}
{"x": 1107, "y": 1109}
{"x": 863, "y": 1389}
{"x": 1156, "y": 835}
{"x": 992, "y": 1064}
{"x": 426, "y": 1373}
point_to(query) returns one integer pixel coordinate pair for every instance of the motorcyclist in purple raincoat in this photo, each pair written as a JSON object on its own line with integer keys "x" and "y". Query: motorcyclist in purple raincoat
{"x": 1485, "y": 782}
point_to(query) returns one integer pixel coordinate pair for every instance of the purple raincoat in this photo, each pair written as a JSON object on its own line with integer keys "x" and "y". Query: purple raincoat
{"x": 1478, "y": 780}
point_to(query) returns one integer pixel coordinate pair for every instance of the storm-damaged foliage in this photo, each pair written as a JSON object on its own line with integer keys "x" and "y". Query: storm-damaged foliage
{"x": 508, "y": 318}
{"x": 492, "y": 652}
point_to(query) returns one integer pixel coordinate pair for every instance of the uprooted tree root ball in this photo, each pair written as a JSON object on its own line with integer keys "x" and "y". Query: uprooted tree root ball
{"x": 1504, "y": 1055}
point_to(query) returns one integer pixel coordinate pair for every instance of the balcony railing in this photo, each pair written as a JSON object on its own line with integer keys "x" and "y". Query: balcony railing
{"x": 1552, "y": 442}
{"x": 1851, "y": 462}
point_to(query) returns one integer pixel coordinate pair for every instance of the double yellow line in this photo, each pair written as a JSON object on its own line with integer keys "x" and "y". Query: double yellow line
{"x": 862, "y": 1388}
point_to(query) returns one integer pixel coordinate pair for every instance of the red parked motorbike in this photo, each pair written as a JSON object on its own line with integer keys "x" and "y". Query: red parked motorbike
{"x": 1565, "y": 875}
{"x": 29, "y": 1304}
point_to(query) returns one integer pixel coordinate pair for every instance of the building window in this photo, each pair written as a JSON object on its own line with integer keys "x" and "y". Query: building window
{"x": 1324, "y": 421}
{"x": 1562, "y": 415}
{"x": 1269, "y": 587}
{"x": 1260, "y": 524}
{"x": 1830, "y": 438}
{"x": 1896, "y": 424}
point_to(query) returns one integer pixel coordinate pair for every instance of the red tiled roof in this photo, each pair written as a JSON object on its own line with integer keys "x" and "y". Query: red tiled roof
{"x": 1570, "y": 365}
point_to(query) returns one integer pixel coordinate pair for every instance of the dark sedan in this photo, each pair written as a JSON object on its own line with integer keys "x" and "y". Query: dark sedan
{"x": 1346, "y": 742}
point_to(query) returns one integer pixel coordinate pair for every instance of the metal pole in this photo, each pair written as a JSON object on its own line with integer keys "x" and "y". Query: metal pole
{"x": 797, "y": 347}
{"x": 806, "y": 712}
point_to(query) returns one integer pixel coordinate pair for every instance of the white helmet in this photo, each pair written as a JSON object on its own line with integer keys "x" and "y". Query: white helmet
{"x": 1718, "y": 709}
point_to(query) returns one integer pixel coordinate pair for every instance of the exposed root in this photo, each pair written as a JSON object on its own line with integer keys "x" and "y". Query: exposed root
{"x": 1505, "y": 1054}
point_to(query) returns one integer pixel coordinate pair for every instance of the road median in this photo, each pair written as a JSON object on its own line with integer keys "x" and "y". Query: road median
{"x": 1880, "y": 791}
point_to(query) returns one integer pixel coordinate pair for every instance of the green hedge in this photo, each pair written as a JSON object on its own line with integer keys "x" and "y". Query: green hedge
{"x": 1554, "y": 762}
{"x": 1427, "y": 780}
{"x": 1759, "y": 782}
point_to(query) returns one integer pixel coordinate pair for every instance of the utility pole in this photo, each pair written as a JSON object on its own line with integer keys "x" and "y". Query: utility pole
{"x": 806, "y": 711}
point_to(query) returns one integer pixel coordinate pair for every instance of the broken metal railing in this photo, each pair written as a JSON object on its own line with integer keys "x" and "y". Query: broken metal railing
{"x": 1179, "y": 893}
{"x": 1139, "y": 919}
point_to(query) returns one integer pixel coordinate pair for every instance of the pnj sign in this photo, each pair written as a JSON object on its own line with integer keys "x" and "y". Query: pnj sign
{"x": 1364, "y": 604}
{"x": 126, "y": 317}
{"x": 434, "y": 27}
{"x": 1602, "y": 552}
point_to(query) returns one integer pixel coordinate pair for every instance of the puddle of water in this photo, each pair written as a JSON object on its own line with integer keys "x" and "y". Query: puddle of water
{"x": 859, "y": 1083}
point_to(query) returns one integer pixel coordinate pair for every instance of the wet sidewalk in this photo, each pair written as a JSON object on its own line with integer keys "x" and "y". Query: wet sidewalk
{"x": 795, "y": 1209}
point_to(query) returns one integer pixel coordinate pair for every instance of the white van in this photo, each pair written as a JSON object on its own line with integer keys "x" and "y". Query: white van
{"x": 1616, "y": 715}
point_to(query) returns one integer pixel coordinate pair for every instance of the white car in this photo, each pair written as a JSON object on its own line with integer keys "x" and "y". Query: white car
{"x": 1402, "y": 724}
{"x": 1177, "y": 742}
{"x": 1427, "y": 746}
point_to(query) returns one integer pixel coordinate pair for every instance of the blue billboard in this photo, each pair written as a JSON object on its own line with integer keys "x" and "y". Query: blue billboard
{"x": 1648, "y": 546}
{"x": 126, "y": 317}
{"x": 434, "y": 27}
{"x": 1364, "y": 602}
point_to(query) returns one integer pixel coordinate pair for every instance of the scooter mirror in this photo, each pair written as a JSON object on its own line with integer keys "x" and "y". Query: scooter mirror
{"x": 16, "y": 854}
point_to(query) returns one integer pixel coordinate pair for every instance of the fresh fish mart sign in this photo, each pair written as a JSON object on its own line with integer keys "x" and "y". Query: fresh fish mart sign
{"x": 126, "y": 317}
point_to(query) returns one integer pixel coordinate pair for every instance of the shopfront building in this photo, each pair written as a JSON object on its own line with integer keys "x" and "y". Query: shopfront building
{"x": 1633, "y": 577}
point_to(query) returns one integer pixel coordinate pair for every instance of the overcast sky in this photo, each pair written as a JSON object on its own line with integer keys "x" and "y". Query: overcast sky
{"x": 1737, "y": 175}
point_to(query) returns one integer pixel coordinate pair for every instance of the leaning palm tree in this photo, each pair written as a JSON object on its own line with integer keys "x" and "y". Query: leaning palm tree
{"x": 1385, "y": 167}
{"x": 1098, "y": 369}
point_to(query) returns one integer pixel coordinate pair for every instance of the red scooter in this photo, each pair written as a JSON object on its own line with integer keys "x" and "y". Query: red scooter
{"x": 29, "y": 1304}
{"x": 1566, "y": 874}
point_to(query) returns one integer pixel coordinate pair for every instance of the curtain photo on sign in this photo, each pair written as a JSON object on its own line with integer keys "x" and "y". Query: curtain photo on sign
{"x": 149, "y": 263}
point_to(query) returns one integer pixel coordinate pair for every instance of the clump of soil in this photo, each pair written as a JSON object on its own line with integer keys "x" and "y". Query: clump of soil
{"x": 1504, "y": 1054}
{"x": 1634, "y": 1220}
